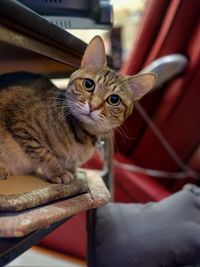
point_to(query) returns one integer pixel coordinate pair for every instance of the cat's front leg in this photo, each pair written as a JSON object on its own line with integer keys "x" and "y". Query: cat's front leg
{"x": 3, "y": 172}
{"x": 50, "y": 166}
{"x": 46, "y": 159}
{"x": 58, "y": 175}
{"x": 54, "y": 171}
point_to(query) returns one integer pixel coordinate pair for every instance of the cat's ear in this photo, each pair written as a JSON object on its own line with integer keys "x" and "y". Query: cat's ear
{"x": 94, "y": 57}
{"x": 141, "y": 84}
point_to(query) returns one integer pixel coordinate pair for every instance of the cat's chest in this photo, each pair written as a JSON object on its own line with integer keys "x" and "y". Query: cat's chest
{"x": 78, "y": 153}
{"x": 82, "y": 152}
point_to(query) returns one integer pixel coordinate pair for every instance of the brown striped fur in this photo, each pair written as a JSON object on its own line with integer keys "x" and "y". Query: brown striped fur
{"x": 42, "y": 126}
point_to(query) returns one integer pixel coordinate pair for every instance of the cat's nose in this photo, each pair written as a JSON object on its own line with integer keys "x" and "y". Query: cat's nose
{"x": 92, "y": 107}
{"x": 95, "y": 103}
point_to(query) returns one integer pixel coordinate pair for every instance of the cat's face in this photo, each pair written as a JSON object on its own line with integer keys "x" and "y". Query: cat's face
{"x": 100, "y": 97}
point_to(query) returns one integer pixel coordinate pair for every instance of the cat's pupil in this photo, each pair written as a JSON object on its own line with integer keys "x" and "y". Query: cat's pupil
{"x": 89, "y": 84}
{"x": 114, "y": 100}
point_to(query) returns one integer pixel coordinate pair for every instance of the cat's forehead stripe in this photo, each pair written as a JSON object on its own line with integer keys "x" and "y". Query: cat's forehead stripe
{"x": 106, "y": 73}
{"x": 116, "y": 88}
{"x": 99, "y": 79}
{"x": 112, "y": 82}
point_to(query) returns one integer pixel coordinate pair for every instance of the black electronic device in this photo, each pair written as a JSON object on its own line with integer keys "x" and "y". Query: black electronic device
{"x": 76, "y": 14}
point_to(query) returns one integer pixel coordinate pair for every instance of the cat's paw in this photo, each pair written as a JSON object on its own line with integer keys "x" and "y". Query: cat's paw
{"x": 3, "y": 173}
{"x": 63, "y": 178}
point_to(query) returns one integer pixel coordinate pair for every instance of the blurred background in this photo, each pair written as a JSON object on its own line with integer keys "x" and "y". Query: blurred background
{"x": 127, "y": 15}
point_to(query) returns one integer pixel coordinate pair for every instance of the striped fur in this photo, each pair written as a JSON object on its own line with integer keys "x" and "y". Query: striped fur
{"x": 43, "y": 126}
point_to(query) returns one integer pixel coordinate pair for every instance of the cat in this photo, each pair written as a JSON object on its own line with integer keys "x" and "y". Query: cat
{"x": 56, "y": 130}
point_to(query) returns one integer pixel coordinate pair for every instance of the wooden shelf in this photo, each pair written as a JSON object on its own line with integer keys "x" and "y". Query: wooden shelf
{"x": 14, "y": 58}
{"x": 29, "y": 42}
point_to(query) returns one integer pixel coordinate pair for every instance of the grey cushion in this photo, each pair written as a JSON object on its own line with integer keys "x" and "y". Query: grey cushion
{"x": 163, "y": 234}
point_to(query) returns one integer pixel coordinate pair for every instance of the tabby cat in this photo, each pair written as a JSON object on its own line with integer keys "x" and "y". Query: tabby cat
{"x": 56, "y": 130}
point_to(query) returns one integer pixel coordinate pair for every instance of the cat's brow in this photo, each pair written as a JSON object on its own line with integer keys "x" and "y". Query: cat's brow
{"x": 72, "y": 80}
{"x": 105, "y": 76}
{"x": 99, "y": 78}
{"x": 106, "y": 73}
{"x": 115, "y": 88}
{"x": 112, "y": 82}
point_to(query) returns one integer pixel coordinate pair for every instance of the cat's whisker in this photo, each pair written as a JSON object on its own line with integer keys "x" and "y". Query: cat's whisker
{"x": 121, "y": 134}
{"x": 62, "y": 110}
{"x": 124, "y": 134}
{"x": 58, "y": 106}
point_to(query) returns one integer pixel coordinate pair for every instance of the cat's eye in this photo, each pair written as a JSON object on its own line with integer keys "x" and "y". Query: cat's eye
{"x": 114, "y": 100}
{"x": 89, "y": 85}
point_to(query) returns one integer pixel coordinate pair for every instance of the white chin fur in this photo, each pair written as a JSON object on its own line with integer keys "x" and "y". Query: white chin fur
{"x": 92, "y": 120}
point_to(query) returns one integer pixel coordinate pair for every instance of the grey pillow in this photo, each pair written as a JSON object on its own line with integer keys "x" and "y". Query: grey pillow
{"x": 164, "y": 234}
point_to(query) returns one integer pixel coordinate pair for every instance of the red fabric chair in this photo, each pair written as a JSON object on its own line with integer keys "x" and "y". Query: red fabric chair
{"x": 174, "y": 108}
{"x": 168, "y": 27}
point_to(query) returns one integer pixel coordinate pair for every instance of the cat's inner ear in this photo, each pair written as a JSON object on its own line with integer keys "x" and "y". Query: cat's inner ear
{"x": 94, "y": 57}
{"x": 141, "y": 84}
